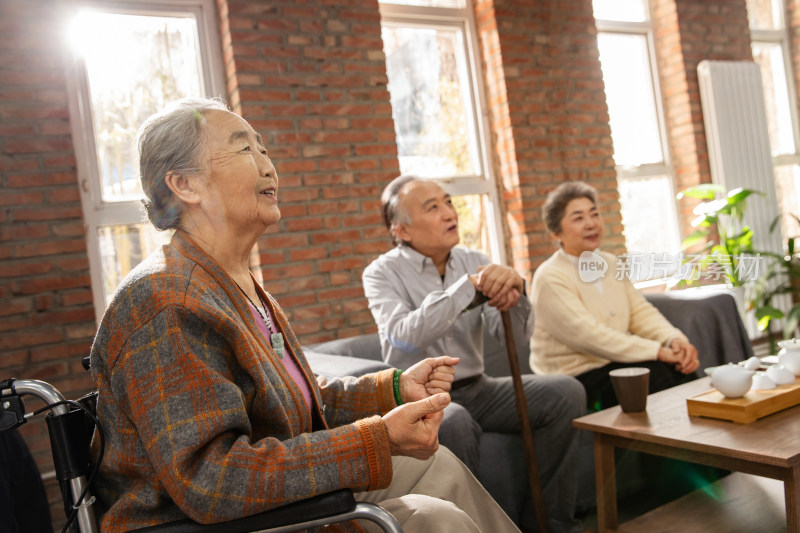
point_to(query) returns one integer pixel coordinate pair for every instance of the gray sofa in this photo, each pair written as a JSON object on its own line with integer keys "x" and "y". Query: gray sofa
{"x": 710, "y": 320}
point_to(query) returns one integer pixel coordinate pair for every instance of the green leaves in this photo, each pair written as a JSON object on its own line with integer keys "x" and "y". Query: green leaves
{"x": 705, "y": 191}
{"x": 720, "y": 214}
{"x": 729, "y": 253}
{"x": 696, "y": 237}
{"x": 710, "y": 211}
{"x": 765, "y": 314}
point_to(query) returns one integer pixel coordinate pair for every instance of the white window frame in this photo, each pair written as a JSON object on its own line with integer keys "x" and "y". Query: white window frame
{"x": 781, "y": 37}
{"x": 665, "y": 168}
{"x": 484, "y": 182}
{"x": 96, "y": 212}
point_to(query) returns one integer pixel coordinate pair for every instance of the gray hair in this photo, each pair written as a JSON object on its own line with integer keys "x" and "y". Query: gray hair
{"x": 172, "y": 140}
{"x": 391, "y": 211}
{"x": 557, "y": 200}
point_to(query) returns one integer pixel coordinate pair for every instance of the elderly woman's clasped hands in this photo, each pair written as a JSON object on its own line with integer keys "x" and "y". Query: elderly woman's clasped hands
{"x": 681, "y": 354}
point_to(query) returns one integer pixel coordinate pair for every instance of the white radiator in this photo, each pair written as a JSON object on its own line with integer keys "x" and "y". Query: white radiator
{"x": 735, "y": 120}
{"x": 738, "y": 140}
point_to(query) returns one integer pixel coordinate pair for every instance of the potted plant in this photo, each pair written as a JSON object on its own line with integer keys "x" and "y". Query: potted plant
{"x": 756, "y": 277}
{"x": 727, "y": 241}
{"x": 721, "y": 247}
{"x": 782, "y": 276}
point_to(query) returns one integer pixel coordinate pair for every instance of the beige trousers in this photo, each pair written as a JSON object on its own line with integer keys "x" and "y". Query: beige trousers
{"x": 440, "y": 495}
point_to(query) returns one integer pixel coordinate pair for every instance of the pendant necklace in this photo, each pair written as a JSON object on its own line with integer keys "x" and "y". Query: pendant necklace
{"x": 276, "y": 339}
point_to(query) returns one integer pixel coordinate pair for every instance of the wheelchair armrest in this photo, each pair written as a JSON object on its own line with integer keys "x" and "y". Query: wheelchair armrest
{"x": 320, "y": 506}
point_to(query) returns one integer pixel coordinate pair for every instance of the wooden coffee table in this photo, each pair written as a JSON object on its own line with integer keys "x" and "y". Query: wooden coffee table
{"x": 769, "y": 447}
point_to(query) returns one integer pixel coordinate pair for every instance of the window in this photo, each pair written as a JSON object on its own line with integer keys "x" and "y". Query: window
{"x": 436, "y": 105}
{"x": 771, "y": 52}
{"x": 644, "y": 174}
{"x": 128, "y": 61}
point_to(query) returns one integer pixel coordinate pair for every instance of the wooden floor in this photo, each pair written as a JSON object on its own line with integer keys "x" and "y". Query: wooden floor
{"x": 737, "y": 503}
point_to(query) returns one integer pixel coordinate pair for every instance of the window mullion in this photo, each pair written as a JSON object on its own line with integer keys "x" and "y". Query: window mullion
{"x": 421, "y": 13}
{"x": 458, "y": 187}
{"x": 786, "y": 160}
{"x": 120, "y": 213}
{"x": 643, "y": 171}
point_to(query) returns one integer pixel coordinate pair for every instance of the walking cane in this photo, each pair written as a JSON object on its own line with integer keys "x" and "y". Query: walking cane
{"x": 525, "y": 424}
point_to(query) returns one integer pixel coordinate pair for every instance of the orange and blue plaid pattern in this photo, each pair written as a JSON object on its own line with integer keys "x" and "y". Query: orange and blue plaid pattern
{"x": 201, "y": 418}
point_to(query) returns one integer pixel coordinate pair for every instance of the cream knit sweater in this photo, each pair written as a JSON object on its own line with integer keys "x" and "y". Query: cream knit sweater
{"x": 580, "y": 326}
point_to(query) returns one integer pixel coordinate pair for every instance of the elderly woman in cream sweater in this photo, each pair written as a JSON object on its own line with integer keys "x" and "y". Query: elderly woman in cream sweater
{"x": 586, "y": 327}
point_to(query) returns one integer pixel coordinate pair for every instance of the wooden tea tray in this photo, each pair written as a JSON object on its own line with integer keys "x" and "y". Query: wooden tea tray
{"x": 753, "y": 405}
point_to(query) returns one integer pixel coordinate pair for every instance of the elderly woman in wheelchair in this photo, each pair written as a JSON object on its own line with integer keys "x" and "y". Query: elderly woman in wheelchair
{"x": 208, "y": 408}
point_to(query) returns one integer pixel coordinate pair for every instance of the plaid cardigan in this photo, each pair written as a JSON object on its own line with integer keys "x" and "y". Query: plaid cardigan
{"x": 201, "y": 418}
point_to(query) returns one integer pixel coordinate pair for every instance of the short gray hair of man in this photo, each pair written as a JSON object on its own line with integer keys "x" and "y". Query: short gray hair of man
{"x": 172, "y": 140}
{"x": 391, "y": 210}
{"x": 556, "y": 203}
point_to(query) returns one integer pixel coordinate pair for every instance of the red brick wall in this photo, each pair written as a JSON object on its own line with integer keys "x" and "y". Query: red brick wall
{"x": 687, "y": 32}
{"x": 46, "y": 316}
{"x": 549, "y": 117}
{"x": 312, "y": 78}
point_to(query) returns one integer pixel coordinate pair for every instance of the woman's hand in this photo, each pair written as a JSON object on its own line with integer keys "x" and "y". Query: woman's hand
{"x": 428, "y": 377}
{"x": 680, "y": 354}
{"x": 413, "y": 428}
{"x": 688, "y": 355}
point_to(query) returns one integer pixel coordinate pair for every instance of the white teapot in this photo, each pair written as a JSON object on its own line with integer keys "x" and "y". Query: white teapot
{"x": 732, "y": 380}
{"x": 789, "y": 355}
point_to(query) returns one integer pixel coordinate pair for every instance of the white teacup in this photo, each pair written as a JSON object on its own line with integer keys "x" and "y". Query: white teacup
{"x": 762, "y": 382}
{"x": 780, "y": 375}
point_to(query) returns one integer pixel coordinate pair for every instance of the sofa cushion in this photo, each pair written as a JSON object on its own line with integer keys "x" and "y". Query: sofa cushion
{"x": 364, "y": 346}
{"x": 331, "y": 365}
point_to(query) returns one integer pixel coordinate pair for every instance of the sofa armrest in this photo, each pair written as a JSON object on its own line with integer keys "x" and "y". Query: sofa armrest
{"x": 338, "y": 366}
{"x": 351, "y": 356}
{"x": 364, "y": 346}
{"x": 711, "y": 321}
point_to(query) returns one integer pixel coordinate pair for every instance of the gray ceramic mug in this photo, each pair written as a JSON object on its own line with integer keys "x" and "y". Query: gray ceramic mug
{"x": 631, "y": 385}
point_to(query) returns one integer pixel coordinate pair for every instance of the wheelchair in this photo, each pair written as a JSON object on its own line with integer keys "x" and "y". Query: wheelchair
{"x": 71, "y": 423}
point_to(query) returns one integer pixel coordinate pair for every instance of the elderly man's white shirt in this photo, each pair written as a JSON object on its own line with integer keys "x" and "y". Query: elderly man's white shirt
{"x": 420, "y": 315}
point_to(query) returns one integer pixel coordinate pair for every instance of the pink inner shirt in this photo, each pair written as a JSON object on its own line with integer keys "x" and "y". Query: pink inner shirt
{"x": 289, "y": 363}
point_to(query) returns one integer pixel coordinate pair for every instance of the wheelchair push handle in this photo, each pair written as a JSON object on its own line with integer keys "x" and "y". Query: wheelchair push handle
{"x": 12, "y": 410}
{"x": 33, "y": 387}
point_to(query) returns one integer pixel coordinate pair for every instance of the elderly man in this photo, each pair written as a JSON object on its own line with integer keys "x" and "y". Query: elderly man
{"x": 430, "y": 297}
